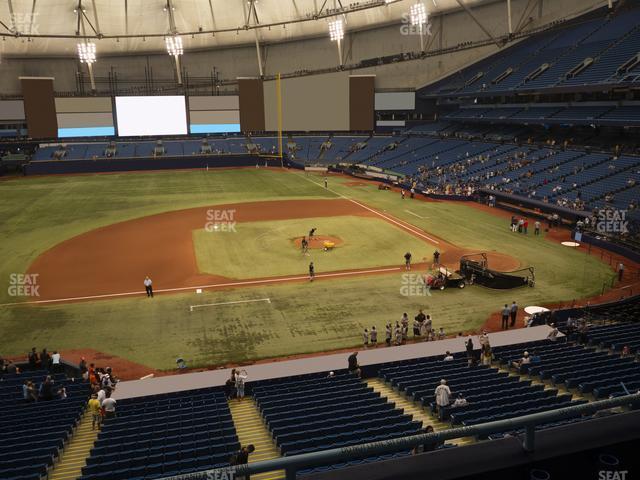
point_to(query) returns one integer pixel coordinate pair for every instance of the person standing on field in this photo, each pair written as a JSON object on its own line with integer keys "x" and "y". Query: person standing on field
{"x": 312, "y": 272}
{"x": 620, "y": 271}
{"x": 536, "y": 228}
{"x": 506, "y": 313}
{"x": 436, "y": 258}
{"x": 407, "y": 261}
{"x": 374, "y": 336}
{"x": 148, "y": 286}
{"x": 514, "y": 313}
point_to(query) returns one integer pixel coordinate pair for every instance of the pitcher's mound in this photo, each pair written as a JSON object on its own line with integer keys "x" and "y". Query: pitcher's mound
{"x": 317, "y": 242}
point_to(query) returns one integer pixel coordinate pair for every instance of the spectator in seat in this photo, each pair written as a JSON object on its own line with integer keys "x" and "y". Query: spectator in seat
{"x": 486, "y": 355}
{"x": 460, "y": 401}
{"x": 33, "y": 359}
{"x": 448, "y": 357}
{"x": 45, "y": 359}
{"x": 11, "y": 368}
{"x": 109, "y": 406}
{"x": 443, "y": 395}
{"x": 525, "y": 360}
{"x": 535, "y": 358}
{"x": 426, "y": 446}
{"x": 469, "y": 347}
{"x": 62, "y": 393}
{"x": 29, "y": 392}
{"x": 353, "y": 364}
{"x": 230, "y": 385}
{"x": 625, "y": 351}
{"x": 46, "y": 389}
{"x": 55, "y": 362}
{"x": 84, "y": 371}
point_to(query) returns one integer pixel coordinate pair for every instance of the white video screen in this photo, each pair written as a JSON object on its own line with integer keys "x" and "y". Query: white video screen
{"x": 140, "y": 116}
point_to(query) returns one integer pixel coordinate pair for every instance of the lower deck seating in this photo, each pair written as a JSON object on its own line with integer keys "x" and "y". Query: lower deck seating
{"x": 163, "y": 435}
{"x": 314, "y": 413}
{"x": 32, "y": 434}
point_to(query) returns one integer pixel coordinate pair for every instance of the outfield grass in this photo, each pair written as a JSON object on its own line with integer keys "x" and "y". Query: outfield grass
{"x": 266, "y": 249}
{"x": 37, "y": 213}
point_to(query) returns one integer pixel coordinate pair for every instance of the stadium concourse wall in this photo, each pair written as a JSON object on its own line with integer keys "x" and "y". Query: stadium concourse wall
{"x": 49, "y": 167}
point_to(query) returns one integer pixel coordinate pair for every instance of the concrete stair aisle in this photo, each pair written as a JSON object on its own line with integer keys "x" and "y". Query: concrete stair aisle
{"x": 415, "y": 410}
{"x": 75, "y": 452}
{"x": 252, "y": 430}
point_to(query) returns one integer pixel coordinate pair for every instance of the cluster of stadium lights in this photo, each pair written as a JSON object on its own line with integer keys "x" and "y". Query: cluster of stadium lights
{"x": 336, "y": 30}
{"x": 87, "y": 52}
{"x": 417, "y": 15}
{"x": 174, "y": 45}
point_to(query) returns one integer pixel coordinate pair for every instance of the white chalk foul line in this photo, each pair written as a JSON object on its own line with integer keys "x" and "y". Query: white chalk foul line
{"x": 415, "y": 214}
{"x": 191, "y": 307}
{"x": 212, "y": 285}
{"x": 401, "y": 224}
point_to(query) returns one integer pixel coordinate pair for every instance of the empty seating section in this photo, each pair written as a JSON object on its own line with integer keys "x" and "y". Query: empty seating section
{"x": 616, "y": 336}
{"x": 608, "y": 40}
{"x": 162, "y": 435}
{"x": 32, "y": 435}
{"x": 608, "y": 113}
{"x": 316, "y": 412}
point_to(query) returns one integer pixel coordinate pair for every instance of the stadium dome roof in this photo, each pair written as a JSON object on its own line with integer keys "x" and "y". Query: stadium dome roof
{"x": 53, "y": 27}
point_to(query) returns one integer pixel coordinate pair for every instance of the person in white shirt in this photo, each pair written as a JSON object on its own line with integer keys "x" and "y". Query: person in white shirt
{"x": 55, "y": 362}
{"x": 443, "y": 394}
{"x": 448, "y": 357}
{"x": 101, "y": 395}
{"x": 241, "y": 378}
{"x": 148, "y": 286}
{"x": 523, "y": 361}
{"x": 484, "y": 339}
{"x": 460, "y": 401}
{"x": 109, "y": 406}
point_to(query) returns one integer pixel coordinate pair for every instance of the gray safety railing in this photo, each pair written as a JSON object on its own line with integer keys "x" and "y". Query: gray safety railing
{"x": 307, "y": 460}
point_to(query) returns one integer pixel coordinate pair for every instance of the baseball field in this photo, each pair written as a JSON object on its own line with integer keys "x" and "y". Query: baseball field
{"x": 74, "y": 251}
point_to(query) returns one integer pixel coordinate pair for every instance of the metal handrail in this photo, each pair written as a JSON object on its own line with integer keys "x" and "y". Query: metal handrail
{"x": 335, "y": 455}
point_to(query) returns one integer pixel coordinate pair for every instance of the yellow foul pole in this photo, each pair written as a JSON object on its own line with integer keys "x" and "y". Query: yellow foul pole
{"x": 279, "y": 99}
